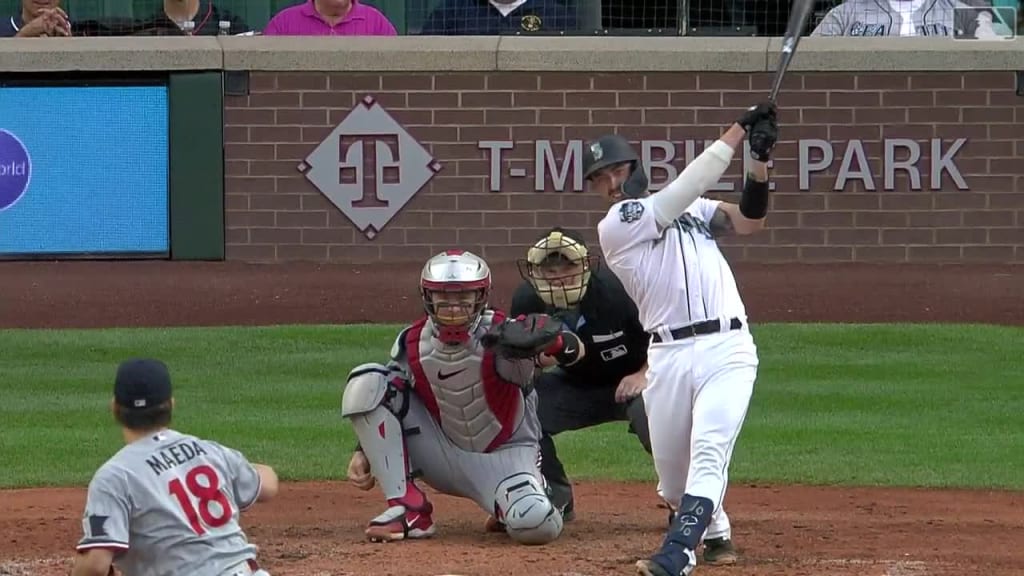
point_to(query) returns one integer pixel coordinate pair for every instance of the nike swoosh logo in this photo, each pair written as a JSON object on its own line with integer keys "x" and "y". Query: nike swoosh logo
{"x": 444, "y": 376}
{"x": 570, "y": 350}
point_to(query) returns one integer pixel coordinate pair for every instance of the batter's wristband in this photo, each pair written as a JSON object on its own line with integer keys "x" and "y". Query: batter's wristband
{"x": 754, "y": 202}
{"x": 570, "y": 343}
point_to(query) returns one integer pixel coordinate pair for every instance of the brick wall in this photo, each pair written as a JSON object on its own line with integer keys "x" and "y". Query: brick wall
{"x": 275, "y": 213}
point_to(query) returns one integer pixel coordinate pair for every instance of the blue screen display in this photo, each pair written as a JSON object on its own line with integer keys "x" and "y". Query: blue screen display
{"x": 83, "y": 170}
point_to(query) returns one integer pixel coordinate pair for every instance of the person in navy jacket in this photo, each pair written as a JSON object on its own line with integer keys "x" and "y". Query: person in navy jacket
{"x": 500, "y": 17}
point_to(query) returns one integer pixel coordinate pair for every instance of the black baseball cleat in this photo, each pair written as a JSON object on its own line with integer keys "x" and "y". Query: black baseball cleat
{"x": 720, "y": 552}
{"x": 568, "y": 512}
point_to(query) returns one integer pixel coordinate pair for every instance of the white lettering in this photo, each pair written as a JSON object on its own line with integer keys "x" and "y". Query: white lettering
{"x": 545, "y": 161}
{"x": 495, "y": 147}
{"x": 945, "y": 162}
{"x": 661, "y": 160}
{"x": 668, "y": 150}
{"x": 891, "y": 164}
{"x": 854, "y": 150}
{"x": 13, "y": 169}
{"x": 806, "y": 167}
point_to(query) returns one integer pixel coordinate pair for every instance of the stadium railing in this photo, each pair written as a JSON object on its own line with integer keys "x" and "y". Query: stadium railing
{"x": 591, "y": 17}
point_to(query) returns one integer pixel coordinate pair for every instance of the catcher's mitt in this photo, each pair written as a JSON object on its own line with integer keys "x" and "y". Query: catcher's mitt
{"x": 524, "y": 337}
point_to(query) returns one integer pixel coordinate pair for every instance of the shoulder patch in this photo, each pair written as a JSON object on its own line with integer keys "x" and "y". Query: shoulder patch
{"x": 631, "y": 211}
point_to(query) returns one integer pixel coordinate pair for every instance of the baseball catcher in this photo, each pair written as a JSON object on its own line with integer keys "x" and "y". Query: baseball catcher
{"x": 456, "y": 406}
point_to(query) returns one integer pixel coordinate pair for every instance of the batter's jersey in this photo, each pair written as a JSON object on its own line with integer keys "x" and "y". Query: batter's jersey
{"x": 168, "y": 504}
{"x": 607, "y": 322}
{"x": 676, "y": 276}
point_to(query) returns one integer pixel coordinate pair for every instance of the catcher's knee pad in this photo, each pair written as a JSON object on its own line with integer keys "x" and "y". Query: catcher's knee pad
{"x": 528, "y": 514}
{"x": 367, "y": 388}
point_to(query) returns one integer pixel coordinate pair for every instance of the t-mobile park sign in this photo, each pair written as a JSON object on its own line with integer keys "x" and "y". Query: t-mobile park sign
{"x": 815, "y": 156}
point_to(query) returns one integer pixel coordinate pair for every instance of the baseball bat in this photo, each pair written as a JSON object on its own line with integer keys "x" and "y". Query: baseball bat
{"x": 800, "y": 11}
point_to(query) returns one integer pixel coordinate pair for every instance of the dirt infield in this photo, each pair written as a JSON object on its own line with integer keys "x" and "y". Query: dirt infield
{"x": 103, "y": 294}
{"x": 315, "y": 529}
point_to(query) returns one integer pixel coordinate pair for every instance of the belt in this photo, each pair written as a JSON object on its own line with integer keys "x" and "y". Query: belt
{"x": 698, "y": 329}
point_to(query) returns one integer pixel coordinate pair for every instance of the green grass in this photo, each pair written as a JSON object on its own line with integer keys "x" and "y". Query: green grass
{"x": 910, "y": 405}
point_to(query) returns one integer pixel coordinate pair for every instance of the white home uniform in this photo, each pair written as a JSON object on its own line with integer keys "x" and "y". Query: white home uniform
{"x": 699, "y": 386}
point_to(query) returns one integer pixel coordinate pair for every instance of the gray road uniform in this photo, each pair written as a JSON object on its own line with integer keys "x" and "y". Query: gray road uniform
{"x": 169, "y": 504}
{"x": 461, "y": 417}
{"x": 921, "y": 18}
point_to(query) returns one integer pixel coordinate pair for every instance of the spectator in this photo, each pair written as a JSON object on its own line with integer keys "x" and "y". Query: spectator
{"x": 495, "y": 17}
{"x": 330, "y": 18}
{"x": 900, "y": 18}
{"x": 37, "y": 18}
{"x": 171, "y": 18}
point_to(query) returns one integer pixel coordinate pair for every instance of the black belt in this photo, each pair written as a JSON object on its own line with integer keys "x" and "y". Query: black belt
{"x": 698, "y": 329}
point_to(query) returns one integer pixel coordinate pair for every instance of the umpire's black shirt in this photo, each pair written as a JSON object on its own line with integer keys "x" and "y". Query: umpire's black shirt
{"x": 606, "y": 320}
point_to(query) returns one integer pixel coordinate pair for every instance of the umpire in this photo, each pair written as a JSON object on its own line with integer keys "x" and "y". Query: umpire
{"x": 562, "y": 279}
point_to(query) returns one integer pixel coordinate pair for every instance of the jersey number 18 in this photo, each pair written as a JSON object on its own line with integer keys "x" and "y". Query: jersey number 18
{"x": 201, "y": 514}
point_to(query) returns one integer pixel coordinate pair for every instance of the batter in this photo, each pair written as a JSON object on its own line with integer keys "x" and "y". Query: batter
{"x": 451, "y": 410}
{"x": 167, "y": 503}
{"x": 702, "y": 361}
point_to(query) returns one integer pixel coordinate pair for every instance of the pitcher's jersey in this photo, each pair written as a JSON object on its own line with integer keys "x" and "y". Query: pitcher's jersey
{"x": 676, "y": 276}
{"x": 169, "y": 504}
{"x": 474, "y": 395}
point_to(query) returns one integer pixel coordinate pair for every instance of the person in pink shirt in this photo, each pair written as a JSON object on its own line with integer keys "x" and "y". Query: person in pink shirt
{"x": 330, "y": 18}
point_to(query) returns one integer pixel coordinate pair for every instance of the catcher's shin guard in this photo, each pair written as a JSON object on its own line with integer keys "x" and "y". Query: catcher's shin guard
{"x": 380, "y": 432}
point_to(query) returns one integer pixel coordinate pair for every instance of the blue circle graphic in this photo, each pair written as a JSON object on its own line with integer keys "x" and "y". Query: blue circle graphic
{"x": 15, "y": 169}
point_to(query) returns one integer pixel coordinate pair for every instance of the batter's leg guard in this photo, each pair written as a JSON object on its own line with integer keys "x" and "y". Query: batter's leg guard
{"x": 370, "y": 401}
{"x": 677, "y": 554}
{"x": 526, "y": 511}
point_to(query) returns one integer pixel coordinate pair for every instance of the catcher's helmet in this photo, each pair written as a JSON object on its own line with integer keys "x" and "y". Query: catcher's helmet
{"x": 455, "y": 285}
{"x": 610, "y": 150}
{"x": 558, "y": 266}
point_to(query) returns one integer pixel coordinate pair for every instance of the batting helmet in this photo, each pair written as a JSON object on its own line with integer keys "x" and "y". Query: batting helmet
{"x": 558, "y": 266}
{"x": 610, "y": 150}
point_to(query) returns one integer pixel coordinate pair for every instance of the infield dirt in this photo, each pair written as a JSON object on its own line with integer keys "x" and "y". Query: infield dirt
{"x": 316, "y": 528}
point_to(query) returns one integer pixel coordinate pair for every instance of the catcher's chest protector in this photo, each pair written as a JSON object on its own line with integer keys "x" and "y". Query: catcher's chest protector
{"x": 462, "y": 389}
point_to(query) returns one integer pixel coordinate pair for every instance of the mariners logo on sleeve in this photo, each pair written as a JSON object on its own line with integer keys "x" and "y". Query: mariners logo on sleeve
{"x": 631, "y": 211}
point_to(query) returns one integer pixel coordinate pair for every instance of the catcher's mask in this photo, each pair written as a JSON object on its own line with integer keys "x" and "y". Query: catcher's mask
{"x": 558, "y": 266}
{"x": 455, "y": 285}
{"x": 602, "y": 159}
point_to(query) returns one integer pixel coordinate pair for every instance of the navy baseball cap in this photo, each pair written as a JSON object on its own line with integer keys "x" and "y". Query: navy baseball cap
{"x": 142, "y": 383}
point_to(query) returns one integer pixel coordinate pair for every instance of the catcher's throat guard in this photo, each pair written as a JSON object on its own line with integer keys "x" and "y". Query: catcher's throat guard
{"x": 611, "y": 150}
{"x": 455, "y": 286}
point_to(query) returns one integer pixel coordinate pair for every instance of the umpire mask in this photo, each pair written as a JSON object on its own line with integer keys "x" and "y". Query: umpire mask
{"x": 611, "y": 150}
{"x": 558, "y": 266}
